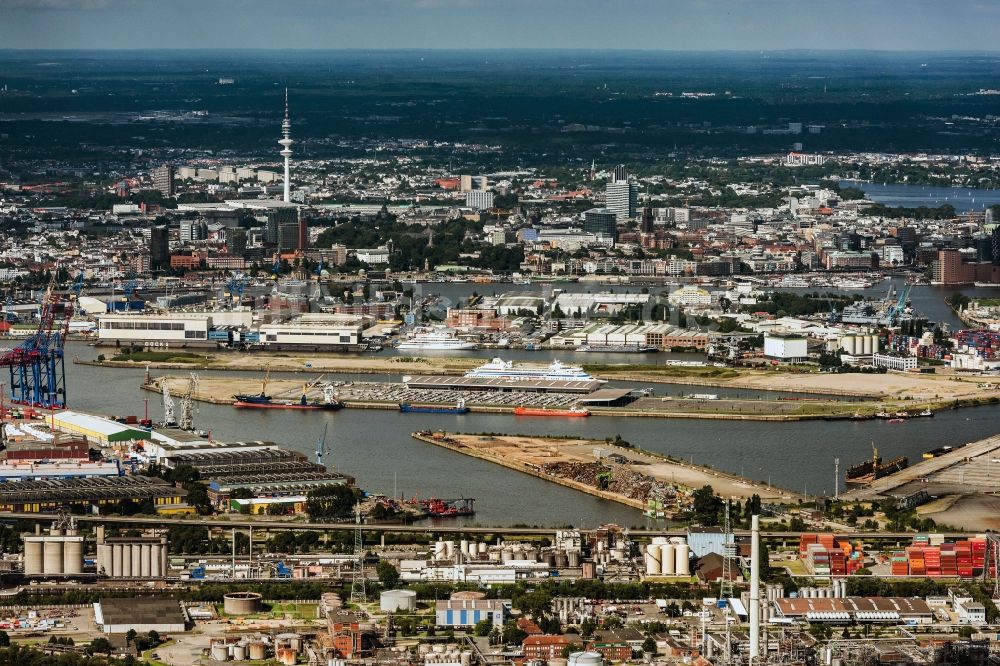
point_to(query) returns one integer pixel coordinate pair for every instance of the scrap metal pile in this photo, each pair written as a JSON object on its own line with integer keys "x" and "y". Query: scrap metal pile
{"x": 618, "y": 479}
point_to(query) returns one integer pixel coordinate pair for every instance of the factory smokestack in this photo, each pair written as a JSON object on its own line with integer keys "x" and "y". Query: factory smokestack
{"x": 754, "y": 589}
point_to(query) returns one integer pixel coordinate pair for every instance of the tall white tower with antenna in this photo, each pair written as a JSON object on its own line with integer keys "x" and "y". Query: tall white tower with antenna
{"x": 286, "y": 149}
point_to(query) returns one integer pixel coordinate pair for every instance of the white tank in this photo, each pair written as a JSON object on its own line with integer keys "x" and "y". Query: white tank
{"x": 682, "y": 565}
{"x": 73, "y": 557}
{"x": 117, "y": 555}
{"x": 126, "y": 561}
{"x": 220, "y": 652}
{"x": 875, "y": 344}
{"x": 440, "y": 550}
{"x": 653, "y": 564}
{"x": 463, "y": 547}
{"x": 154, "y": 561}
{"x": 847, "y": 342}
{"x": 482, "y": 548}
{"x": 53, "y": 557}
{"x": 506, "y": 555}
{"x": 660, "y": 540}
{"x": 866, "y": 341}
{"x": 145, "y": 565}
{"x": 585, "y": 659}
{"x": 239, "y": 652}
{"x": 136, "y": 560}
{"x": 668, "y": 557}
{"x": 33, "y": 558}
{"x": 449, "y": 548}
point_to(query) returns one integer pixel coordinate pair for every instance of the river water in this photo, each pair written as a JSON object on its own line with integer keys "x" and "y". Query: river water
{"x": 963, "y": 199}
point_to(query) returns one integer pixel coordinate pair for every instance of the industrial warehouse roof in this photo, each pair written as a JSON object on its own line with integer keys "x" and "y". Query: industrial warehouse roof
{"x": 903, "y": 606}
{"x": 140, "y": 611}
{"x": 608, "y": 397}
{"x": 68, "y": 490}
{"x": 97, "y": 427}
{"x": 502, "y": 384}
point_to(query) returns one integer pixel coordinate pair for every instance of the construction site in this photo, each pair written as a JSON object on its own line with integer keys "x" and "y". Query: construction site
{"x": 656, "y": 484}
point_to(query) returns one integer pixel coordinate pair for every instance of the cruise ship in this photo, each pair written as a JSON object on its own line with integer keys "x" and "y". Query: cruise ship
{"x": 434, "y": 339}
{"x": 499, "y": 368}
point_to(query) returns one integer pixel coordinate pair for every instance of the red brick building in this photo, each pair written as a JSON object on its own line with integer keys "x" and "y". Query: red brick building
{"x": 544, "y": 647}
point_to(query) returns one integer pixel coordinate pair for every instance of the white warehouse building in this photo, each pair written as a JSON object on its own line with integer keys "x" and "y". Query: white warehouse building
{"x": 786, "y": 347}
{"x": 316, "y": 330}
{"x": 170, "y": 328}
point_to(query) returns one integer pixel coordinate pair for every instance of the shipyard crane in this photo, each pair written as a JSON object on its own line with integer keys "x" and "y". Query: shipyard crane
{"x": 309, "y": 385}
{"x": 37, "y": 365}
{"x": 78, "y": 286}
{"x": 321, "y": 447}
{"x": 168, "y": 406}
{"x": 236, "y": 286}
{"x": 186, "y": 420}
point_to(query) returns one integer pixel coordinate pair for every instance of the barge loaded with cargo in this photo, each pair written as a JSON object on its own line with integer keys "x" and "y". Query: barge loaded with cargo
{"x": 865, "y": 473}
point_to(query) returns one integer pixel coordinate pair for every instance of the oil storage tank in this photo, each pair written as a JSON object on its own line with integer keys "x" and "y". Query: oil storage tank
{"x": 394, "y": 601}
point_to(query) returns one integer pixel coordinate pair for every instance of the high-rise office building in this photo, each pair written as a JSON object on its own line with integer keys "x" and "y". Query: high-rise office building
{"x": 288, "y": 236}
{"x": 648, "y": 220}
{"x": 192, "y": 231}
{"x": 303, "y": 233}
{"x": 621, "y": 195}
{"x": 236, "y": 241}
{"x": 479, "y": 199}
{"x": 163, "y": 180}
{"x": 276, "y": 217}
{"x": 159, "y": 248}
{"x": 602, "y": 222}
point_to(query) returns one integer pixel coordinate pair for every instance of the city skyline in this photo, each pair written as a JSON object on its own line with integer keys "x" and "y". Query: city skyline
{"x": 682, "y": 25}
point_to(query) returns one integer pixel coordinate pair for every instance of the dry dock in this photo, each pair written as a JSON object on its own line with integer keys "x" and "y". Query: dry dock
{"x": 625, "y": 475}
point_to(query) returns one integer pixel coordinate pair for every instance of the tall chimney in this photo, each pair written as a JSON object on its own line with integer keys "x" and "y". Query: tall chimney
{"x": 754, "y": 589}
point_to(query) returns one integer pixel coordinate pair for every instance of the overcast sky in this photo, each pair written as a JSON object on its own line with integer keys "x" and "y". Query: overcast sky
{"x": 604, "y": 24}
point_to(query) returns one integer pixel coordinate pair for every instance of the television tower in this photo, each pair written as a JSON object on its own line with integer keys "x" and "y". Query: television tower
{"x": 286, "y": 149}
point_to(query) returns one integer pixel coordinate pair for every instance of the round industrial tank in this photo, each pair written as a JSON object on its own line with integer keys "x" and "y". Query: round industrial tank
{"x": 154, "y": 561}
{"x": 256, "y": 651}
{"x": 506, "y": 555}
{"x": 494, "y": 556}
{"x": 573, "y": 558}
{"x": 562, "y": 559}
{"x": 669, "y": 559}
{"x": 653, "y": 564}
{"x": 117, "y": 555}
{"x": 392, "y": 601}
{"x": 286, "y": 656}
{"x": 682, "y": 564}
{"x": 463, "y": 547}
{"x": 33, "y": 560}
{"x": 849, "y": 344}
{"x": 468, "y": 595}
{"x": 126, "y": 561}
{"x": 220, "y": 652}
{"x": 145, "y": 566}
{"x": 241, "y": 603}
{"x": 136, "y": 560}
{"x": 52, "y": 557}
{"x": 449, "y": 548}
{"x": 550, "y": 559}
{"x": 239, "y": 652}
{"x": 660, "y": 540}
{"x": 73, "y": 557}
{"x": 866, "y": 342}
{"x": 482, "y": 548}
{"x": 585, "y": 659}
{"x": 875, "y": 343}
{"x": 440, "y": 550}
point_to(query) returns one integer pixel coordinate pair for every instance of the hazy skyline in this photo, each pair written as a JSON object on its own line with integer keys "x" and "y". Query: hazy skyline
{"x": 464, "y": 24}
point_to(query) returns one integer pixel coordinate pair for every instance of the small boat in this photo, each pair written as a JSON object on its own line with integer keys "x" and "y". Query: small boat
{"x": 897, "y": 420}
{"x": 541, "y": 411}
{"x": 458, "y": 408}
{"x": 858, "y": 416}
{"x": 926, "y": 412}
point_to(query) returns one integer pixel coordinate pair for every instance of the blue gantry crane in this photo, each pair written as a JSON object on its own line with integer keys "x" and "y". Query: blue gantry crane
{"x": 37, "y": 365}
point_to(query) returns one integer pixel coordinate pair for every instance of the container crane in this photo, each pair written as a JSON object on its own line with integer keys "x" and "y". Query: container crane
{"x": 236, "y": 286}
{"x": 186, "y": 419}
{"x": 37, "y": 365}
{"x": 321, "y": 448}
{"x": 168, "y": 406}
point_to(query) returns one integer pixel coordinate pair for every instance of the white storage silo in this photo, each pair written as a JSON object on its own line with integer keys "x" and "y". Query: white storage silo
{"x": 875, "y": 343}
{"x": 33, "y": 558}
{"x": 866, "y": 341}
{"x": 668, "y": 557}
{"x": 117, "y": 555}
{"x": 682, "y": 566}
{"x": 585, "y": 659}
{"x": 52, "y": 557}
{"x": 653, "y": 562}
{"x": 73, "y": 555}
{"x": 145, "y": 566}
{"x": 449, "y": 549}
{"x": 847, "y": 343}
{"x": 136, "y": 560}
{"x": 482, "y": 548}
{"x": 440, "y": 550}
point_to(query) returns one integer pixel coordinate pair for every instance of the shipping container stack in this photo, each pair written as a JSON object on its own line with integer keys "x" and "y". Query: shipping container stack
{"x": 900, "y": 564}
{"x": 828, "y": 555}
{"x": 915, "y": 554}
